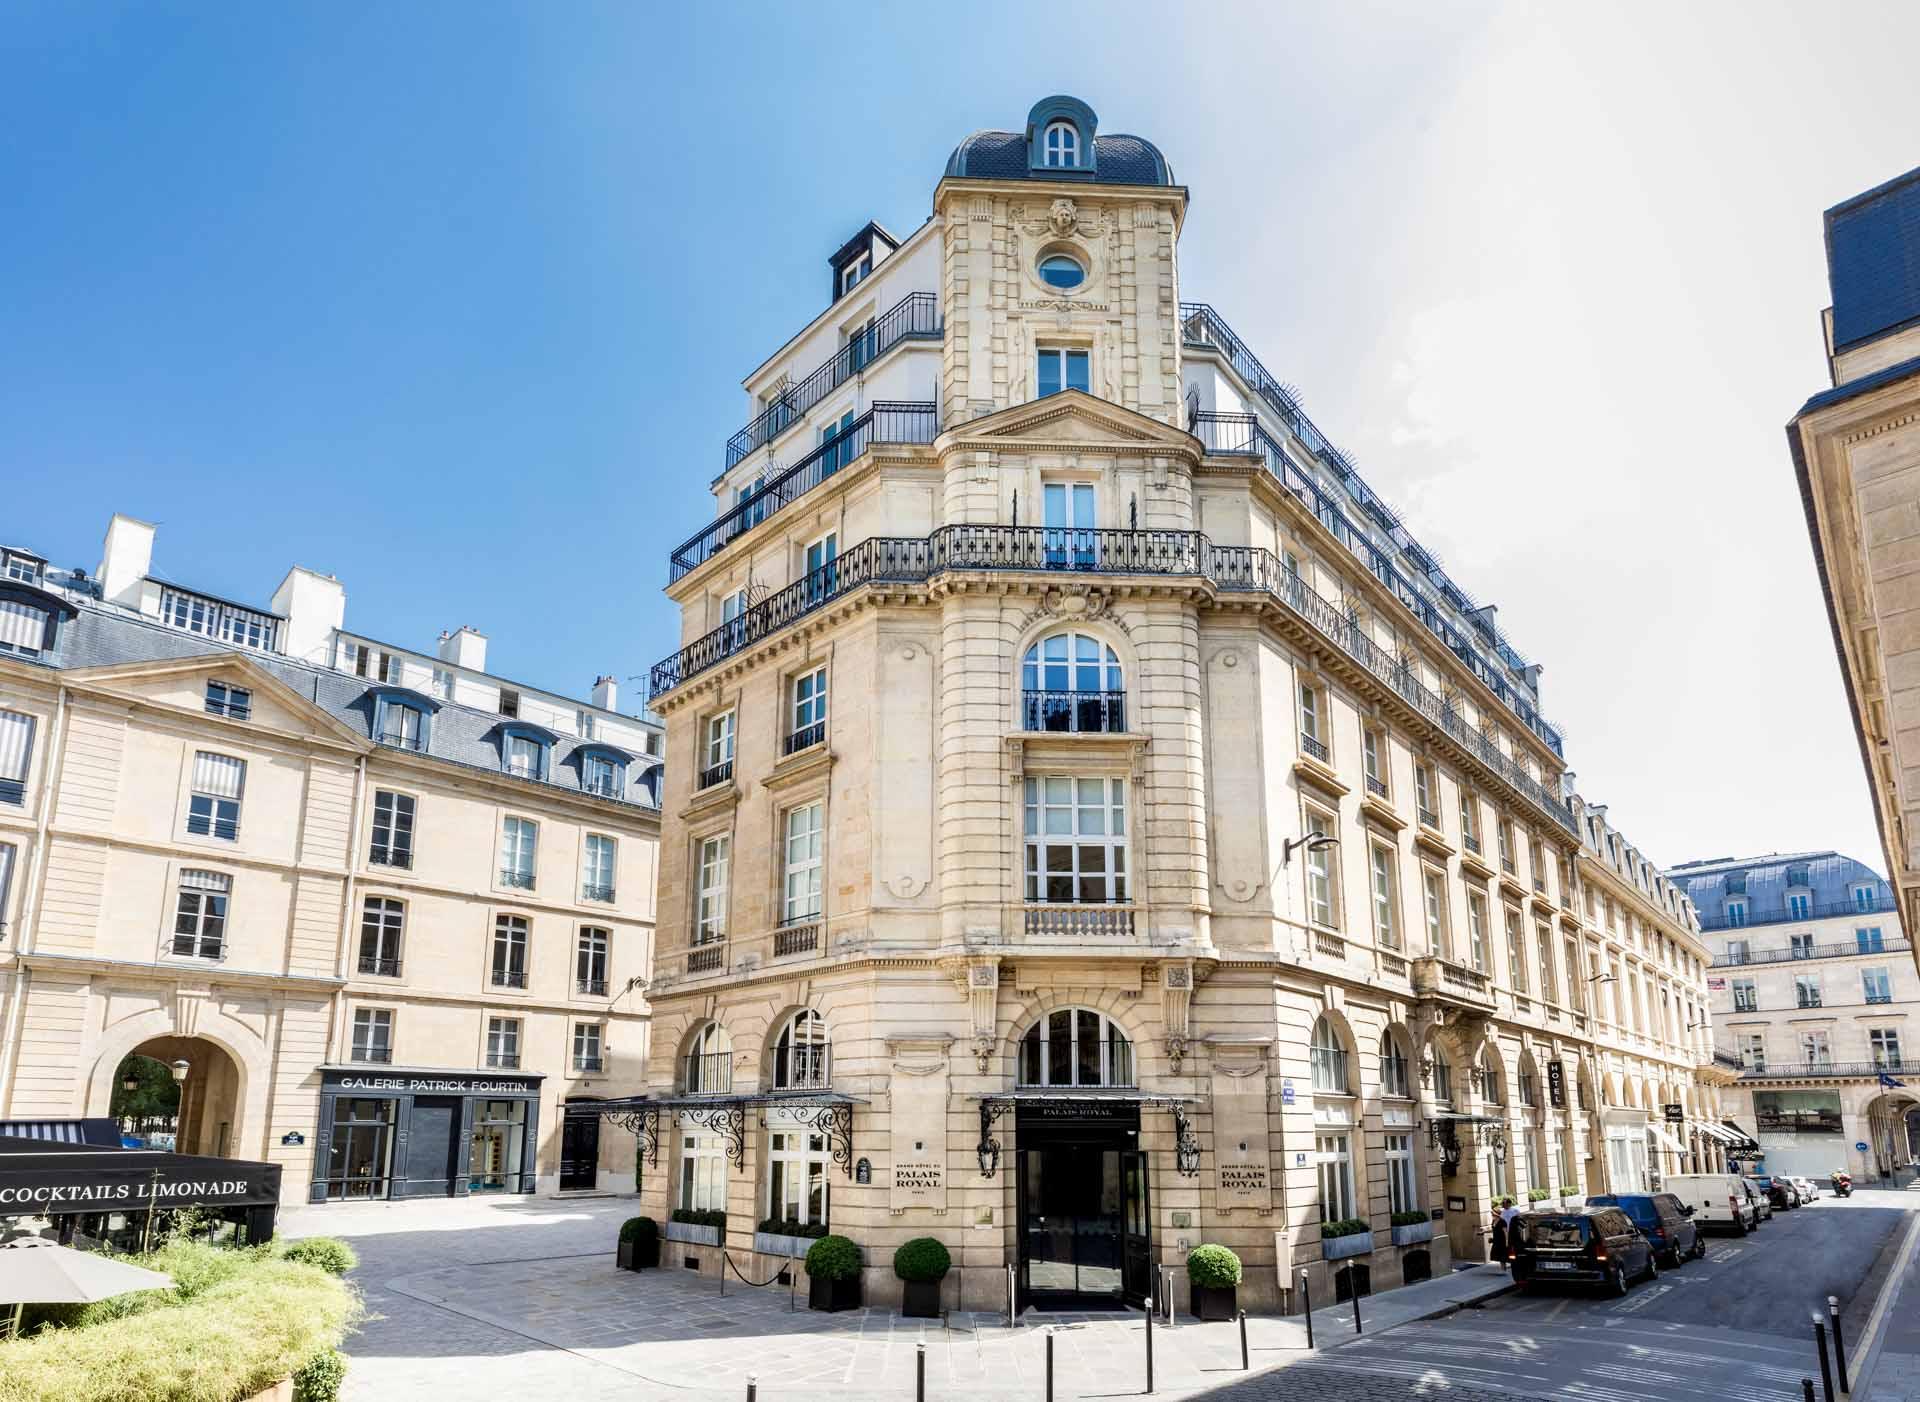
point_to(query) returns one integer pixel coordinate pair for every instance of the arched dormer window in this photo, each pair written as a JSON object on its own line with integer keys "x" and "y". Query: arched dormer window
{"x": 603, "y": 770}
{"x": 1075, "y": 1047}
{"x": 1072, "y": 682}
{"x": 525, "y": 749}
{"x": 1329, "y": 1058}
{"x": 800, "y": 1053}
{"x": 1060, "y": 137}
{"x": 708, "y": 1068}
{"x": 402, "y": 717}
{"x": 1060, "y": 146}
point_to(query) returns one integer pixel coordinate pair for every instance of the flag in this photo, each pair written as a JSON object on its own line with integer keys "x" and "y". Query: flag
{"x": 1890, "y": 1083}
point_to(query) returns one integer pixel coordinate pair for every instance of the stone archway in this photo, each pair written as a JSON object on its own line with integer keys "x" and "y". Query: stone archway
{"x": 224, "y": 1096}
{"x": 210, "y": 1096}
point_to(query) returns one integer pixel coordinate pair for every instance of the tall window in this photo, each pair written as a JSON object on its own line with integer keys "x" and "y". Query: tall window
{"x": 587, "y": 1044}
{"x": 1373, "y": 760}
{"x": 1469, "y": 821}
{"x": 1336, "y": 1177}
{"x": 1435, "y": 901}
{"x": 1869, "y": 941}
{"x": 213, "y": 808}
{"x": 1401, "y": 1196}
{"x": 519, "y": 839}
{"x": 1328, "y": 1059}
{"x": 600, "y": 774}
{"x": 1516, "y": 954}
{"x": 1442, "y": 1080}
{"x": 1071, "y": 682}
{"x": 1504, "y": 832}
{"x": 800, "y": 876}
{"x": 1322, "y": 905}
{"x": 16, "y": 750}
{"x": 709, "y": 1068}
{"x": 200, "y": 916}
{"x": 1488, "y": 1077}
{"x": 381, "y": 921}
{"x": 372, "y": 1034}
{"x": 800, "y": 1052}
{"x": 717, "y": 760}
{"x": 1885, "y": 1044}
{"x": 1798, "y": 904}
{"x": 1477, "y": 929}
{"x": 1543, "y": 939}
{"x": 809, "y": 721}
{"x": 1076, "y": 846}
{"x": 710, "y": 919}
{"x": 1061, "y": 367}
{"x": 1313, "y": 737}
{"x": 1806, "y": 990}
{"x": 1863, "y": 898}
{"x": 1384, "y": 928}
{"x": 1737, "y": 914}
{"x": 1874, "y": 983}
{"x": 392, "y": 844}
{"x": 1739, "y": 951}
{"x": 403, "y": 727}
{"x": 525, "y": 756}
{"x": 1423, "y": 795}
{"x": 23, "y": 628}
{"x": 233, "y": 702}
{"x": 590, "y": 962}
{"x": 1395, "y": 1078}
{"x": 703, "y": 1172}
{"x": 796, "y": 1173}
{"x": 503, "y": 1043}
{"x": 1816, "y": 1048}
{"x": 1800, "y": 946}
{"x": 1745, "y": 998}
{"x": 1753, "y": 1051}
{"x": 1576, "y": 988}
{"x": 1075, "y": 1047}
{"x": 510, "y": 951}
{"x": 1060, "y": 145}
{"x": 600, "y": 855}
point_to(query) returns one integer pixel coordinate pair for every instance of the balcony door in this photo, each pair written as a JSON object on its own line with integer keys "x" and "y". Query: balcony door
{"x": 1068, "y": 518}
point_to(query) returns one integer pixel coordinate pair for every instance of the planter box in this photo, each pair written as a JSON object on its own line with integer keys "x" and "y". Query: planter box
{"x": 1214, "y": 1302}
{"x": 692, "y": 1235}
{"x": 1338, "y": 1248}
{"x": 1413, "y": 1234}
{"x": 624, "y": 1257}
{"x": 920, "y": 1299}
{"x": 831, "y": 1295}
{"x": 1576, "y": 1200}
{"x": 773, "y": 1244}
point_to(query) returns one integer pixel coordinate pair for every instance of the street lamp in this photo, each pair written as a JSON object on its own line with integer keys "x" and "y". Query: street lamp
{"x": 179, "y": 1070}
{"x": 1313, "y": 842}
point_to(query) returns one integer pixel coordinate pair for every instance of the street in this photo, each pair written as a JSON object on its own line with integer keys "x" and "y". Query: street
{"x": 1736, "y": 1325}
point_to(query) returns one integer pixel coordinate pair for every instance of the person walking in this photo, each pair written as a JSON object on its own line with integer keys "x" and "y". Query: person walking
{"x": 1498, "y": 1246}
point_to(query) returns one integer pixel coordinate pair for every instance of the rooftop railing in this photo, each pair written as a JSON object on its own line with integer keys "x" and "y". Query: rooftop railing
{"x": 1786, "y": 914}
{"x": 1839, "y": 949}
{"x": 888, "y": 421}
{"x": 915, "y": 317}
{"x": 1229, "y": 568}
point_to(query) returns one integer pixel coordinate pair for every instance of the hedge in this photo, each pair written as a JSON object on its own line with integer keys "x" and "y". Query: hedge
{"x": 1213, "y": 1267}
{"x": 639, "y": 1229}
{"x": 833, "y": 1258}
{"x": 331, "y": 1254}
{"x": 1346, "y": 1226}
{"x": 922, "y": 1259}
{"x": 783, "y": 1226}
{"x": 238, "y": 1321}
{"x": 688, "y": 1217}
{"x": 1568, "y": 1190}
{"x": 1408, "y": 1218}
{"x": 1538, "y": 1195}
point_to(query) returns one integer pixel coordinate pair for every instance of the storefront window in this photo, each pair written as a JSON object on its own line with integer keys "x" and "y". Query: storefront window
{"x": 703, "y": 1172}
{"x": 361, "y": 1149}
{"x": 797, "y": 1175}
{"x": 499, "y": 1140}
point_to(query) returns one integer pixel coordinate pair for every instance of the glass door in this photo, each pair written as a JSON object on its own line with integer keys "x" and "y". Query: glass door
{"x": 1136, "y": 1231}
{"x": 359, "y": 1152}
{"x": 1071, "y": 1216}
{"x": 820, "y": 573}
{"x": 1067, "y": 509}
{"x": 493, "y": 1156}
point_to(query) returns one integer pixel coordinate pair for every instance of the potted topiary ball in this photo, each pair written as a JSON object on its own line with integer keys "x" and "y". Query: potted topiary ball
{"x": 833, "y": 1274}
{"x": 922, "y": 1263}
{"x": 1213, "y": 1275}
{"x": 645, "y": 1239}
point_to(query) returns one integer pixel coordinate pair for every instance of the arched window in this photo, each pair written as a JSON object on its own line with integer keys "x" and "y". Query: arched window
{"x": 1075, "y": 1047}
{"x": 1061, "y": 145}
{"x": 1329, "y": 1059}
{"x": 709, "y": 1064}
{"x": 1394, "y": 1077}
{"x": 1487, "y": 1078}
{"x": 1071, "y": 681}
{"x": 800, "y": 1052}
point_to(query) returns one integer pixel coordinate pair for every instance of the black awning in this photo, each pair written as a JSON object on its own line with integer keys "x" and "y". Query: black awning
{"x": 47, "y": 1180}
{"x": 1748, "y": 1144}
{"x": 99, "y": 1132}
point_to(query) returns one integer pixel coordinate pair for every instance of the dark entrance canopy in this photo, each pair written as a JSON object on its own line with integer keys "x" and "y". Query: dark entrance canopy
{"x": 827, "y": 1112}
{"x": 47, "y": 1178}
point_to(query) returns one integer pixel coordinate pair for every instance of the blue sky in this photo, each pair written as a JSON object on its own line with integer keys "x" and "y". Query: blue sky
{"x": 453, "y": 302}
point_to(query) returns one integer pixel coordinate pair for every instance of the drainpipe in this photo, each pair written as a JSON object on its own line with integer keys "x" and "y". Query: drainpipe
{"x": 335, "y": 1013}
{"x": 30, "y": 897}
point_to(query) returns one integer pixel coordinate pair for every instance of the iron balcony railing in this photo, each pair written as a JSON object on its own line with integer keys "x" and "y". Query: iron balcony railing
{"x": 510, "y": 978}
{"x": 1228, "y": 568}
{"x": 1329, "y": 1068}
{"x": 400, "y": 740}
{"x": 707, "y": 1073}
{"x": 519, "y": 880}
{"x": 803, "y": 737}
{"x": 503, "y": 1061}
{"x": 1315, "y": 747}
{"x": 381, "y": 968}
{"x": 805, "y": 1067}
{"x": 1718, "y": 920}
{"x": 1086, "y": 1061}
{"x": 1076, "y": 712}
{"x": 915, "y": 317}
{"x": 886, "y": 422}
{"x": 1376, "y": 787}
{"x": 378, "y": 1054}
{"x": 586, "y": 1063}
{"x": 1892, "y": 1066}
{"x": 590, "y": 987}
{"x": 716, "y": 774}
{"x": 594, "y": 891}
{"x": 401, "y": 857}
{"x": 1841, "y": 949}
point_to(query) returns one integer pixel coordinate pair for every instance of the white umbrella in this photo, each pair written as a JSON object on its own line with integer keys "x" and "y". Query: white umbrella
{"x": 35, "y": 1272}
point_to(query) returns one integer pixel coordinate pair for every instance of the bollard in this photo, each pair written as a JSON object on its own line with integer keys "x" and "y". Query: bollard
{"x": 1049, "y": 1365}
{"x": 1244, "y": 1364}
{"x": 1150, "y": 1343}
{"x": 1353, "y": 1289}
{"x": 919, "y": 1373}
{"x": 753, "y": 1386}
{"x": 1826, "y": 1373}
{"x": 1839, "y": 1344}
{"x": 1306, "y": 1301}
{"x": 792, "y": 1276}
{"x": 1806, "y": 1389}
{"x": 1010, "y": 1293}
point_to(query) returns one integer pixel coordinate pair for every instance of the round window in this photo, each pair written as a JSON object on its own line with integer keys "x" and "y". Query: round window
{"x": 1058, "y": 270}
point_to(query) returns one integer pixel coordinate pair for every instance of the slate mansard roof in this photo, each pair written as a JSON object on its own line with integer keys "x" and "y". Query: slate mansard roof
{"x": 1002, "y": 155}
{"x": 102, "y": 636}
{"x": 1829, "y": 876}
{"x": 1873, "y": 261}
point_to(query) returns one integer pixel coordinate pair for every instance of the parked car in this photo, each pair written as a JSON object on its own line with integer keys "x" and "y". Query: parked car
{"x": 1762, "y": 1203}
{"x": 1719, "y": 1201}
{"x": 1777, "y": 1191}
{"x": 1663, "y": 1220}
{"x": 1591, "y": 1246}
{"x": 1809, "y": 1190}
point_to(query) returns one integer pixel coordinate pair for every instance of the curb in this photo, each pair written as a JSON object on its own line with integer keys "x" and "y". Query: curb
{"x": 1458, "y": 1305}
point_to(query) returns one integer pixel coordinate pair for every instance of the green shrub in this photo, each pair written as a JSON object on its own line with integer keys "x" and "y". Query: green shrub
{"x": 1213, "y": 1267}
{"x": 688, "y": 1217}
{"x": 331, "y": 1254}
{"x": 1569, "y": 1190}
{"x": 319, "y": 1379}
{"x": 236, "y": 1323}
{"x": 1538, "y": 1195}
{"x": 922, "y": 1259}
{"x": 639, "y": 1229}
{"x": 784, "y": 1226}
{"x": 1346, "y": 1226}
{"x": 1408, "y": 1219}
{"x": 833, "y": 1258}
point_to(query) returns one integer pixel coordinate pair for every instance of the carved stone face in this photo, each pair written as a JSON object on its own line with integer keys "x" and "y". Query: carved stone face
{"x": 1062, "y": 216}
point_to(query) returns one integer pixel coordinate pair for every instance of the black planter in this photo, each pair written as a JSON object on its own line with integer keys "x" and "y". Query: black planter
{"x": 626, "y": 1255}
{"x": 833, "y": 1295}
{"x": 646, "y": 1253}
{"x": 920, "y": 1299}
{"x": 1215, "y": 1302}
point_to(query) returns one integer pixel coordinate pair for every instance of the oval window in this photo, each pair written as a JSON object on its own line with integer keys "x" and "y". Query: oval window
{"x": 1058, "y": 270}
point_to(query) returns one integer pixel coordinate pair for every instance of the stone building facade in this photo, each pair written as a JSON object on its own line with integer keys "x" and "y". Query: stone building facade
{"x": 391, "y": 910}
{"x": 1094, "y": 825}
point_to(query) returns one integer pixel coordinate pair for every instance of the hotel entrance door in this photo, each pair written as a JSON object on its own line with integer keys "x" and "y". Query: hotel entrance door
{"x": 1084, "y": 1208}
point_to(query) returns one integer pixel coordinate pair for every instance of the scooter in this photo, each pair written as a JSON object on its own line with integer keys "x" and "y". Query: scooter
{"x": 1842, "y": 1185}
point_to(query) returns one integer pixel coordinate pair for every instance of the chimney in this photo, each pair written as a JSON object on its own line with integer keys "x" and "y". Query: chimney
{"x": 464, "y": 647}
{"x": 126, "y": 560}
{"x": 606, "y": 693}
{"x": 315, "y": 607}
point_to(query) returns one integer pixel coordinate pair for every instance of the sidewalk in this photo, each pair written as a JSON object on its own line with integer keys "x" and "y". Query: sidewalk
{"x": 1890, "y": 1372}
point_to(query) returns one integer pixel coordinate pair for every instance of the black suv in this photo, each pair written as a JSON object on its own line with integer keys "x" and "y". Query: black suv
{"x": 1593, "y": 1246}
{"x": 1783, "y": 1198}
{"x": 1663, "y": 1220}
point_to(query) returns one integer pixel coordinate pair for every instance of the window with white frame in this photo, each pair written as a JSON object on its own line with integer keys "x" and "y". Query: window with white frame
{"x": 1884, "y": 1042}
{"x": 703, "y": 1172}
{"x": 1401, "y": 1194}
{"x": 809, "y": 720}
{"x": 590, "y": 961}
{"x": 1076, "y": 846}
{"x": 1373, "y": 759}
{"x": 1071, "y": 682}
{"x": 1549, "y": 986}
{"x": 1385, "y": 928}
{"x": 1060, "y": 145}
{"x": 1536, "y": 1160}
{"x": 797, "y": 1187}
{"x": 1313, "y": 736}
{"x": 1863, "y": 898}
{"x": 1075, "y": 1047}
{"x": 710, "y": 914}
{"x": 16, "y": 752}
{"x": 800, "y": 865}
{"x": 1434, "y": 888}
{"x": 588, "y": 1039}
{"x": 1322, "y": 894}
{"x": 8, "y": 855}
{"x": 1477, "y": 930}
{"x": 1469, "y": 821}
{"x": 1516, "y": 953}
{"x": 503, "y": 1043}
{"x": 524, "y": 756}
{"x": 392, "y": 844}
{"x": 200, "y": 914}
{"x": 1395, "y": 1076}
{"x": 1800, "y": 946}
{"x": 709, "y": 1061}
{"x": 213, "y": 806}
{"x": 1336, "y": 1176}
{"x": 23, "y": 628}
{"x": 372, "y": 1034}
{"x": 602, "y": 774}
{"x": 1816, "y": 1047}
{"x": 1876, "y": 986}
{"x": 1753, "y": 1051}
{"x": 1806, "y": 990}
{"x": 224, "y": 699}
{"x": 1424, "y": 787}
{"x": 1442, "y": 1080}
{"x": 510, "y": 951}
{"x": 1499, "y": 1181}
{"x": 382, "y": 920}
{"x": 853, "y": 273}
{"x": 717, "y": 758}
{"x": 800, "y": 1052}
{"x": 600, "y": 856}
{"x": 519, "y": 844}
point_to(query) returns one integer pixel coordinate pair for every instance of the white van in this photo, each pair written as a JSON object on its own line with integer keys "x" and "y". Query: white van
{"x": 1718, "y": 1200}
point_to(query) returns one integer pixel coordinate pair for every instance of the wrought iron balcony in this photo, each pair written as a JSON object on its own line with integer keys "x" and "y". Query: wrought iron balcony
{"x": 805, "y": 1067}
{"x": 1828, "y": 910}
{"x": 915, "y": 317}
{"x": 1893, "y": 1066}
{"x": 1376, "y": 787}
{"x": 593, "y": 891}
{"x": 716, "y": 774}
{"x": 519, "y": 880}
{"x": 1429, "y": 819}
{"x": 1076, "y": 712}
{"x": 1094, "y": 922}
{"x": 509, "y": 978}
{"x": 401, "y": 857}
{"x": 1315, "y": 746}
{"x": 587, "y": 1063}
{"x": 707, "y": 1073}
{"x": 373, "y": 1054}
{"x": 590, "y": 987}
{"x": 382, "y": 968}
{"x": 1838, "y": 949}
{"x": 503, "y": 1061}
{"x": 400, "y": 740}
{"x": 805, "y": 736}
{"x": 888, "y": 421}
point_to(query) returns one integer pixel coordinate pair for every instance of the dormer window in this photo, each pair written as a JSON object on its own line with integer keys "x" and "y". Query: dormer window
{"x": 603, "y": 770}
{"x": 22, "y": 565}
{"x": 24, "y": 628}
{"x": 403, "y": 718}
{"x": 854, "y": 273}
{"x": 1061, "y": 145}
{"x": 523, "y": 753}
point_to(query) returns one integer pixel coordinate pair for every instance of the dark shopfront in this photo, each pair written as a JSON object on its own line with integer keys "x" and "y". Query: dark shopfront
{"x": 424, "y": 1133}
{"x": 1084, "y": 1204}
